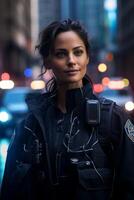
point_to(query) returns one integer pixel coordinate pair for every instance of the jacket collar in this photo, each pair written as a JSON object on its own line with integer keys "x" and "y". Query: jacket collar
{"x": 73, "y": 98}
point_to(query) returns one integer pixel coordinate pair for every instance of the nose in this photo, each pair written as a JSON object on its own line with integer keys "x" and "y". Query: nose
{"x": 71, "y": 59}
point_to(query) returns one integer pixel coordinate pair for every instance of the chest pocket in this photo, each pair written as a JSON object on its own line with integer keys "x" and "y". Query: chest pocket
{"x": 93, "y": 166}
{"x": 94, "y": 179}
{"x": 95, "y": 173}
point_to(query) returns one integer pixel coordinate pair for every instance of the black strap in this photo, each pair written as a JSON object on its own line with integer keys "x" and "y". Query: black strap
{"x": 106, "y": 116}
{"x": 105, "y": 127}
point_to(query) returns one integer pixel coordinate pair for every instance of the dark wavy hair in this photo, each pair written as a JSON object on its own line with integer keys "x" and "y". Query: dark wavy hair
{"x": 47, "y": 38}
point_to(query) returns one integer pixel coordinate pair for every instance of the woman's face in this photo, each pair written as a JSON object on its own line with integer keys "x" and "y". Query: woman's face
{"x": 69, "y": 60}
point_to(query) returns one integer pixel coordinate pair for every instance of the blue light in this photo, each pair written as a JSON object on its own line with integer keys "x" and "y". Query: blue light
{"x": 3, "y": 148}
{"x": 111, "y": 14}
{"x": 28, "y": 72}
{"x": 4, "y": 143}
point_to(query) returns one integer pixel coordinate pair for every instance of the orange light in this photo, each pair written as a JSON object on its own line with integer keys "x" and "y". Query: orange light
{"x": 102, "y": 67}
{"x": 105, "y": 81}
{"x": 5, "y": 76}
{"x": 98, "y": 87}
{"x": 37, "y": 84}
{"x": 109, "y": 57}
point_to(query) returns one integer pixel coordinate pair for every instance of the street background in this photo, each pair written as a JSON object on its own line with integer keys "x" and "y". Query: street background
{"x": 111, "y": 32}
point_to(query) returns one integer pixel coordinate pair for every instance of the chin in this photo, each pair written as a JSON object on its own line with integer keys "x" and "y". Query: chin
{"x": 74, "y": 83}
{"x": 74, "y": 79}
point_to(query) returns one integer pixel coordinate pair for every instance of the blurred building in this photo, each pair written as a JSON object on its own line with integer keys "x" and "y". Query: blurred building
{"x": 22, "y": 20}
{"x": 49, "y": 10}
{"x": 125, "y": 56}
{"x": 34, "y": 23}
{"x": 15, "y": 37}
{"x": 90, "y": 13}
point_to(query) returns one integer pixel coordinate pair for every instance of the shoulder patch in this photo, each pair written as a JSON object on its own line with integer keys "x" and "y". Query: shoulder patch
{"x": 129, "y": 128}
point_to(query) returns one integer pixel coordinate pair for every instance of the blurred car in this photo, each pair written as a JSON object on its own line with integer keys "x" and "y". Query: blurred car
{"x": 123, "y": 97}
{"x": 13, "y": 108}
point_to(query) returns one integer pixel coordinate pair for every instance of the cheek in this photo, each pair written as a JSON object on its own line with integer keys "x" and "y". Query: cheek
{"x": 84, "y": 61}
{"x": 84, "y": 70}
{"x": 57, "y": 70}
{"x": 84, "y": 66}
{"x": 58, "y": 64}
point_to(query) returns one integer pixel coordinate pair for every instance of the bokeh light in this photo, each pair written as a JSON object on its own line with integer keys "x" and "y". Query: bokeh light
{"x": 102, "y": 67}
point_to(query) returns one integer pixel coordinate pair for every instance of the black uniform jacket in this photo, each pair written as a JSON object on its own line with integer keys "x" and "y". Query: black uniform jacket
{"x": 55, "y": 155}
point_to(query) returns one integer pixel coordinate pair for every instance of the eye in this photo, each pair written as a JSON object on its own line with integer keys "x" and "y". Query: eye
{"x": 60, "y": 54}
{"x": 78, "y": 52}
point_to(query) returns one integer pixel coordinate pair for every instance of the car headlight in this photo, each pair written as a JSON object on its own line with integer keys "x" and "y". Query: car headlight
{"x": 129, "y": 106}
{"x": 5, "y": 116}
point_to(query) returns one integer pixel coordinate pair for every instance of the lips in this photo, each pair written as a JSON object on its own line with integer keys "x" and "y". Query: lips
{"x": 72, "y": 71}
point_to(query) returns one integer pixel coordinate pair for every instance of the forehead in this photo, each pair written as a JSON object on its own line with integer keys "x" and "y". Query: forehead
{"x": 68, "y": 39}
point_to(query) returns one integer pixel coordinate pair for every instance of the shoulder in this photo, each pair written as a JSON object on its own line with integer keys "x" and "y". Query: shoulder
{"x": 111, "y": 105}
{"x": 119, "y": 118}
{"x": 113, "y": 114}
{"x": 26, "y": 126}
{"x": 25, "y": 130}
{"x": 28, "y": 121}
{"x": 107, "y": 105}
{"x": 105, "y": 101}
{"x": 37, "y": 101}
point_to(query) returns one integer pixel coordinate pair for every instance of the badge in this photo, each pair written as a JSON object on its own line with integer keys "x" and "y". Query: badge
{"x": 129, "y": 128}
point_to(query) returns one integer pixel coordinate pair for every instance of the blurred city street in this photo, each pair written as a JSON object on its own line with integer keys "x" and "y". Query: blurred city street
{"x": 111, "y": 64}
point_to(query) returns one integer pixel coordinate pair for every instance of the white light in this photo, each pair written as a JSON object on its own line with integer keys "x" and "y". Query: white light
{"x": 129, "y": 106}
{"x": 110, "y": 5}
{"x": 4, "y": 116}
{"x": 6, "y": 84}
{"x": 113, "y": 84}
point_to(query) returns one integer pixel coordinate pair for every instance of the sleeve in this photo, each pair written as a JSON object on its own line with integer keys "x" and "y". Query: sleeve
{"x": 11, "y": 163}
{"x": 123, "y": 131}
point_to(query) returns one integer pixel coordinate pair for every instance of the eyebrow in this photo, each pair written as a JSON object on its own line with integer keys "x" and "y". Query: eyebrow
{"x": 60, "y": 49}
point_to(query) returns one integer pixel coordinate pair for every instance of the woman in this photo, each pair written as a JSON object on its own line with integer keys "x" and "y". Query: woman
{"x": 72, "y": 145}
